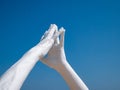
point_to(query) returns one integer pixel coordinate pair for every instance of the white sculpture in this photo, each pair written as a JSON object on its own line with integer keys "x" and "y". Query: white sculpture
{"x": 50, "y": 43}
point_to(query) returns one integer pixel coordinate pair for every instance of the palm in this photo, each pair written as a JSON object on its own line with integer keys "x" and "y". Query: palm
{"x": 56, "y": 54}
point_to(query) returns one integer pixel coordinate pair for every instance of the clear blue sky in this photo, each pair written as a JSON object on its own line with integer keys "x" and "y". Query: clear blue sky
{"x": 92, "y": 41}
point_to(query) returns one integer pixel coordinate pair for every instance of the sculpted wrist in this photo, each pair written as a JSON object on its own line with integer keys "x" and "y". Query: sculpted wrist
{"x": 62, "y": 66}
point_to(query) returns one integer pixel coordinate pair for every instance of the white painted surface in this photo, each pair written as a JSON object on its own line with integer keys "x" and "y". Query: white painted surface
{"x": 50, "y": 43}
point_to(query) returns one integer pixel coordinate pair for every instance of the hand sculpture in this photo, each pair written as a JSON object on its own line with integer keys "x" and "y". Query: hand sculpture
{"x": 56, "y": 59}
{"x": 46, "y": 42}
{"x": 56, "y": 56}
{"x": 16, "y": 75}
{"x": 50, "y": 50}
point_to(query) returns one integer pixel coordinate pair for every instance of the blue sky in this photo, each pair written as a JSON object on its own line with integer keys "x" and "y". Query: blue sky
{"x": 92, "y": 41}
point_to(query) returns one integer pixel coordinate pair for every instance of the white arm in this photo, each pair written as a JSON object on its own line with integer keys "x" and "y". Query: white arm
{"x": 15, "y": 76}
{"x": 70, "y": 76}
{"x": 57, "y": 60}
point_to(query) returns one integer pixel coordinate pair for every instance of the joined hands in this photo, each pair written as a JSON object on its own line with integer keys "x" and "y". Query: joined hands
{"x": 50, "y": 51}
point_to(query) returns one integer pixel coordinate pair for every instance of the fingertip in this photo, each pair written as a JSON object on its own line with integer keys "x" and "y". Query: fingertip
{"x": 53, "y": 26}
{"x": 62, "y": 30}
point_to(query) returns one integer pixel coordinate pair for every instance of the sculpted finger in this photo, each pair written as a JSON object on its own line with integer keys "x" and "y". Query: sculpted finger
{"x": 62, "y": 37}
{"x": 51, "y": 30}
{"x": 45, "y": 34}
{"x": 57, "y": 39}
{"x": 56, "y": 35}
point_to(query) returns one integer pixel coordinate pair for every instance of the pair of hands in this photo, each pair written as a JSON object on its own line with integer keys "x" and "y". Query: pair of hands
{"x": 54, "y": 54}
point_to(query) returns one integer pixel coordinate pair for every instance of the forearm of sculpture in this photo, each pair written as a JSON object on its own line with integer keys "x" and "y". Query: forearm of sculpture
{"x": 15, "y": 76}
{"x": 70, "y": 76}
